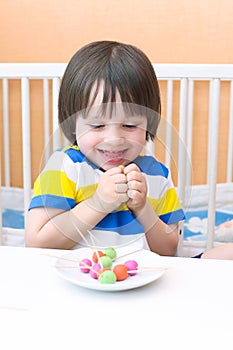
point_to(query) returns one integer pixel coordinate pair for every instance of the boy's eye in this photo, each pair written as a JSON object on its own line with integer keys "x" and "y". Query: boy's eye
{"x": 97, "y": 126}
{"x": 129, "y": 126}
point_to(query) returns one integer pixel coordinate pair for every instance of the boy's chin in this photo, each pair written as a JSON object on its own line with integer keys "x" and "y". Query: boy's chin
{"x": 108, "y": 166}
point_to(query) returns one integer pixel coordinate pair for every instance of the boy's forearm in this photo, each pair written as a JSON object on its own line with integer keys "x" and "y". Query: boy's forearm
{"x": 161, "y": 238}
{"x": 61, "y": 229}
{"x": 75, "y": 223}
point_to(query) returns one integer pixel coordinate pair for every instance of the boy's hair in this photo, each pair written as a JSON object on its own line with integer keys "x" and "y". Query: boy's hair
{"x": 121, "y": 67}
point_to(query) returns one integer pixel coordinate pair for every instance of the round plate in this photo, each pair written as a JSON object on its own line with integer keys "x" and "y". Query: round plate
{"x": 66, "y": 269}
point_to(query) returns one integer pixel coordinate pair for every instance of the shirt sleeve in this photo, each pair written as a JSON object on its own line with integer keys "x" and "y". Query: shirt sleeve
{"x": 55, "y": 186}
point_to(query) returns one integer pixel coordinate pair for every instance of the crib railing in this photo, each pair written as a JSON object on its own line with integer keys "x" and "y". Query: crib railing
{"x": 186, "y": 75}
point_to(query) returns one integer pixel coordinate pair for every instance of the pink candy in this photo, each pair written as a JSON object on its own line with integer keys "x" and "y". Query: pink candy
{"x": 131, "y": 265}
{"x": 94, "y": 270}
{"x": 85, "y": 263}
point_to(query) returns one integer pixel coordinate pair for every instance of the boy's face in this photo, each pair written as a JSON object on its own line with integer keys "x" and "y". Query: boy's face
{"x": 112, "y": 139}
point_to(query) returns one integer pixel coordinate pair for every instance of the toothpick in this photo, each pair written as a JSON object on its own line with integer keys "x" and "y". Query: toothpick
{"x": 81, "y": 234}
{"x": 61, "y": 257}
{"x": 122, "y": 256}
{"x": 148, "y": 269}
{"x": 83, "y": 265}
{"x": 75, "y": 267}
{"x": 96, "y": 250}
{"x": 141, "y": 269}
{"x": 14, "y": 308}
{"x": 68, "y": 259}
{"x": 87, "y": 243}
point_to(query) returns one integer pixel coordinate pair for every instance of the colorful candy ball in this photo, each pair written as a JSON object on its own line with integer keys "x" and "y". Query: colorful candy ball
{"x": 121, "y": 272}
{"x": 84, "y": 263}
{"x": 107, "y": 277}
{"x": 97, "y": 255}
{"x": 131, "y": 265}
{"x": 106, "y": 261}
{"x": 111, "y": 252}
{"x": 94, "y": 272}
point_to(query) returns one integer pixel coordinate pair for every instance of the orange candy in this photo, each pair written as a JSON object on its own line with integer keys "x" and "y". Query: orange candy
{"x": 121, "y": 272}
{"x": 95, "y": 256}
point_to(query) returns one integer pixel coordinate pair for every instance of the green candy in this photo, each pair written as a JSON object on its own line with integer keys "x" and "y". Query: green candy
{"x": 106, "y": 261}
{"x": 111, "y": 252}
{"x": 107, "y": 277}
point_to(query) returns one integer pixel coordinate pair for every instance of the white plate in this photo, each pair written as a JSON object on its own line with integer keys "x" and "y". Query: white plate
{"x": 75, "y": 276}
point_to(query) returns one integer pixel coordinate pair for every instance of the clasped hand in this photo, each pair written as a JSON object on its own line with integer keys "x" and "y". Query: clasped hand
{"x": 120, "y": 185}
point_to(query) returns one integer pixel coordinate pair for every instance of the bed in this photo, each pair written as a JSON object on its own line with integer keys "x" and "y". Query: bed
{"x": 195, "y": 140}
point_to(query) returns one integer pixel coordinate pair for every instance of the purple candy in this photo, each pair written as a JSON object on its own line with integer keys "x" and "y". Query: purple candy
{"x": 131, "y": 265}
{"x": 83, "y": 263}
{"x": 96, "y": 267}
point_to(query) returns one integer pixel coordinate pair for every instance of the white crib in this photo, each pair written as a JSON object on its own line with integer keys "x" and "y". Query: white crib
{"x": 183, "y": 77}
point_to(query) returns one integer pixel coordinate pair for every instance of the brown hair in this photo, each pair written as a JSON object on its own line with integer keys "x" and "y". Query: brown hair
{"x": 121, "y": 67}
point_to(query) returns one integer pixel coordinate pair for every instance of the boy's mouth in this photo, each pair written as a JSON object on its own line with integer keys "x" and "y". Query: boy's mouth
{"x": 113, "y": 156}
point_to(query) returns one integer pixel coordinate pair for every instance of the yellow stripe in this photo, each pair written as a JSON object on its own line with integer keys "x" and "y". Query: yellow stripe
{"x": 85, "y": 192}
{"x": 88, "y": 191}
{"x": 55, "y": 183}
{"x": 68, "y": 147}
{"x": 166, "y": 204}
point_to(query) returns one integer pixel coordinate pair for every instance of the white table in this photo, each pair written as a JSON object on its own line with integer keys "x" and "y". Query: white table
{"x": 189, "y": 307}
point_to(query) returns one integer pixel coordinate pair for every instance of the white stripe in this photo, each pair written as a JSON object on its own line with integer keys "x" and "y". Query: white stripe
{"x": 60, "y": 161}
{"x": 55, "y": 162}
{"x": 158, "y": 185}
{"x": 103, "y": 239}
{"x": 86, "y": 175}
{"x": 80, "y": 173}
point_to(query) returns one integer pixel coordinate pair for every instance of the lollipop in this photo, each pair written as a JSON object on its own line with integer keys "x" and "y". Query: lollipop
{"x": 84, "y": 265}
{"x": 96, "y": 255}
{"x": 121, "y": 272}
{"x": 94, "y": 271}
{"x": 106, "y": 261}
{"x": 131, "y": 265}
{"x": 111, "y": 252}
{"x": 107, "y": 277}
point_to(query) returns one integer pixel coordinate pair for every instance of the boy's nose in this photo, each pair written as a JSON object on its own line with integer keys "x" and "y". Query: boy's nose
{"x": 114, "y": 134}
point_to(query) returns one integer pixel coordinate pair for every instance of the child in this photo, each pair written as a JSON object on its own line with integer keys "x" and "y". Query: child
{"x": 101, "y": 189}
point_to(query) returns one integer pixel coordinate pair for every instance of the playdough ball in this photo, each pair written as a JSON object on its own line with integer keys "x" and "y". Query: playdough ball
{"x": 121, "y": 272}
{"x": 85, "y": 263}
{"x": 95, "y": 255}
{"x": 94, "y": 272}
{"x": 111, "y": 252}
{"x": 106, "y": 261}
{"x": 103, "y": 269}
{"x": 107, "y": 277}
{"x": 131, "y": 265}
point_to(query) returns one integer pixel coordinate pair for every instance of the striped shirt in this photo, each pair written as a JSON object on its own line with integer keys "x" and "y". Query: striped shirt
{"x": 69, "y": 178}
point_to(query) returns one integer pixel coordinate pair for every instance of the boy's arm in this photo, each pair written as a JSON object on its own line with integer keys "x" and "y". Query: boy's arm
{"x": 56, "y": 228}
{"x": 162, "y": 238}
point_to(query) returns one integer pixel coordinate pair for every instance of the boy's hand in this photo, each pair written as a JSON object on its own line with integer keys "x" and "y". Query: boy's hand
{"x": 111, "y": 191}
{"x": 137, "y": 188}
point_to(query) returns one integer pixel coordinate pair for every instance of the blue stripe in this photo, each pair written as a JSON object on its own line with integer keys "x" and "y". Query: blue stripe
{"x": 75, "y": 155}
{"x": 78, "y": 157}
{"x": 125, "y": 223}
{"x": 122, "y": 222}
{"x": 52, "y": 201}
{"x": 151, "y": 166}
{"x": 148, "y": 164}
{"x": 171, "y": 218}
